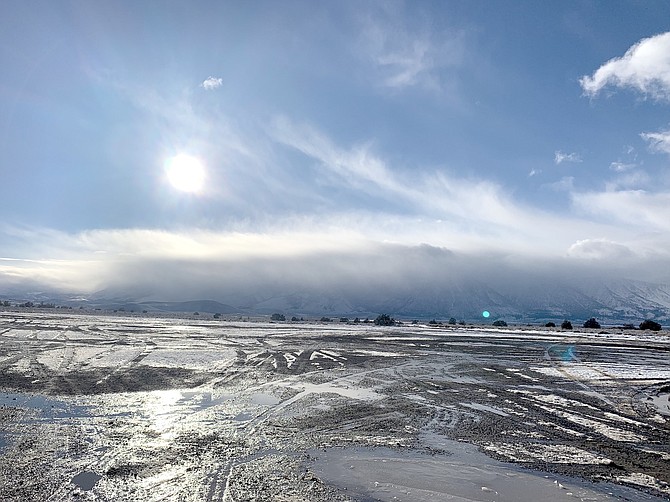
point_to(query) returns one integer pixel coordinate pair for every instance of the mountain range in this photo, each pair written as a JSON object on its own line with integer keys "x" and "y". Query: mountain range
{"x": 524, "y": 300}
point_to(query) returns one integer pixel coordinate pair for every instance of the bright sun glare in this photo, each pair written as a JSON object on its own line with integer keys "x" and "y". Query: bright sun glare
{"x": 186, "y": 173}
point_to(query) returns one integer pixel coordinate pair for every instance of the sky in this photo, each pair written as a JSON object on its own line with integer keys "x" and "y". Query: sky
{"x": 177, "y": 142}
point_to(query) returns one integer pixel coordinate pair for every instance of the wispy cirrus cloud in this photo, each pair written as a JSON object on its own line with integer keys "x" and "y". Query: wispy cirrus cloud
{"x": 561, "y": 157}
{"x": 211, "y": 83}
{"x": 621, "y": 167}
{"x": 408, "y": 55}
{"x": 628, "y": 181}
{"x": 645, "y": 67}
{"x": 658, "y": 141}
{"x": 565, "y": 184}
{"x": 638, "y": 208}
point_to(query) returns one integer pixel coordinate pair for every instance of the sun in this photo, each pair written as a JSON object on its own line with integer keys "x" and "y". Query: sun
{"x": 185, "y": 173}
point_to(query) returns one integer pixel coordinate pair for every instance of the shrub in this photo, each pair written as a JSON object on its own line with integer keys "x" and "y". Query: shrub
{"x": 649, "y": 324}
{"x": 278, "y": 317}
{"x": 499, "y": 322}
{"x": 566, "y": 324}
{"x": 592, "y": 323}
{"x": 325, "y": 319}
{"x": 452, "y": 320}
{"x": 384, "y": 320}
{"x": 432, "y": 322}
{"x": 294, "y": 319}
{"x": 550, "y": 325}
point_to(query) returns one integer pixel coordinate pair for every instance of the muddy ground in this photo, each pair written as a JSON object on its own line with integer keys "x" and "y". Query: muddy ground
{"x": 133, "y": 408}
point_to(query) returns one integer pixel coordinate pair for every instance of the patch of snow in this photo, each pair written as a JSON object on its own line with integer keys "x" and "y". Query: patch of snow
{"x": 557, "y": 453}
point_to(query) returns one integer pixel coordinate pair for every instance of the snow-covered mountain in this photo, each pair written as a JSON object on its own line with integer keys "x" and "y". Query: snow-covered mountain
{"x": 523, "y": 298}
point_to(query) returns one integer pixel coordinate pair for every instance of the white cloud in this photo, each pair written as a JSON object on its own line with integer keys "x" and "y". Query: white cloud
{"x": 599, "y": 249}
{"x": 560, "y": 157}
{"x": 621, "y": 167}
{"x": 644, "y": 67}
{"x": 658, "y": 141}
{"x": 534, "y": 172}
{"x": 212, "y": 83}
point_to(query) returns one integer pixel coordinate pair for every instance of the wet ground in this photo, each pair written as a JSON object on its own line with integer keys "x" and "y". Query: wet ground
{"x": 136, "y": 408}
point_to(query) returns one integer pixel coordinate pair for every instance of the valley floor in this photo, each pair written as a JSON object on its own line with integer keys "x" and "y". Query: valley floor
{"x": 130, "y": 408}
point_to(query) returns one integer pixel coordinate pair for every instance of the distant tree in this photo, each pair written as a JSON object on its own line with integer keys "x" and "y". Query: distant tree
{"x": 384, "y": 320}
{"x": 592, "y": 323}
{"x": 499, "y": 322}
{"x": 432, "y": 322}
{"x": 278, "y": 317}
{"x": 452, "y": 320}
{"x": 414, "y": 321}
{"x": 294, "y": 319}
{"x": 27, "y": 305}
{"x": 325, "y": 319}
{"x": 649, "y": 324}
{"x": 357, "y": 320}
{"x": 550, "y": 325}
{"x": 344, "y": 319}
{"x": 6, "y": 304}
{"x": 566, "y": 324}
{"x": 216, "y": 316}
{"x": 196, "y": 313}
{"x": 461, "y": 322}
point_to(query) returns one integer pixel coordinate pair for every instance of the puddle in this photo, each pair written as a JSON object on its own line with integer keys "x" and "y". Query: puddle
{"x": 49, "y": 408}
{"x": 86, "y": 480}
{"x": 264, "y": 399}
{"x": 661, "y": 402}
{"x": 461, "y": 474}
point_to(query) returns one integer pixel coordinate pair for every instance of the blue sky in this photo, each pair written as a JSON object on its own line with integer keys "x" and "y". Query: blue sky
{"x": 530, "y": 131}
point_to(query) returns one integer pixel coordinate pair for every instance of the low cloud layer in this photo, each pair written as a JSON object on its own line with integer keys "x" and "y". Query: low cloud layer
{"x": 159, "y": 265}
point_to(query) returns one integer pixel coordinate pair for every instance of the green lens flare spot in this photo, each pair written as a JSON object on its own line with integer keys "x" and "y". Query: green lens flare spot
{"x": 486, "y": 314}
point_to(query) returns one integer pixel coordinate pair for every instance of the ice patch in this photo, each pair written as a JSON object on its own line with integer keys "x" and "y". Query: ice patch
{"x": 483, "y": 407}
{"x": 378, "y": 353}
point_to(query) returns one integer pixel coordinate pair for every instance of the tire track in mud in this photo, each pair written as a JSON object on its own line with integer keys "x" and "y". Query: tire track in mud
{"x": 251, "y": 428}
{"x": 148, "y": 347}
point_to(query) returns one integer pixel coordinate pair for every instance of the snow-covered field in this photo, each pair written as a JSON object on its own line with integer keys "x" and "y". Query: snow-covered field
{"x": 137, "y": 408}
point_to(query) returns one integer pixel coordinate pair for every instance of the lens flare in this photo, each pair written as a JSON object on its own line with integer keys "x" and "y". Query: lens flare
{"x": 486, "y": 314}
